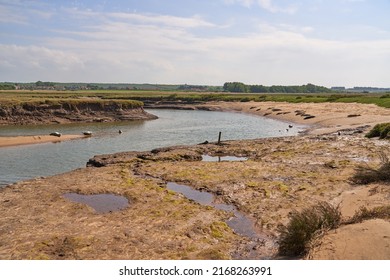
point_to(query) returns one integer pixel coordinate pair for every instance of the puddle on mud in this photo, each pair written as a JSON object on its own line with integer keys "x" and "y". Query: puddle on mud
{"x": 222, "y": 158}
{"x": 204, "y": 198}
{"x": 240, "y": 223}
{"x": 258, "y": 245}
{"x": 102, "y": 203}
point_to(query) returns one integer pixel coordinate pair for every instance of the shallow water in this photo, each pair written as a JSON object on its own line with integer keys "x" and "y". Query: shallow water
{"x": 240, "y": 223}
{"x": 102, "y": 203}
{"x": 222, "y": 158}
{"x": 174, "y": 127}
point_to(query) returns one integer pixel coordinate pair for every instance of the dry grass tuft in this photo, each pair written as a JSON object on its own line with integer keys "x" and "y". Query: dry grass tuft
{"x": 365, "y": 174}
{"x": 381, "y": 212}
{"x": 304, "y": 226}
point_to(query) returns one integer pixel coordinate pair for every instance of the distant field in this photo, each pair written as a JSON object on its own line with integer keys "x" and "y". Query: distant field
{"x": 17, "y": 97}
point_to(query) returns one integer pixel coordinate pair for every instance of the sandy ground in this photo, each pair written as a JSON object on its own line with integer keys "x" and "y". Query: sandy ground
{"x": 328, "y": 117}
{"x": 369, "y": 240}
{"x": 281, "y": 175}
{"x": 37, "y": 139}
{"x": 355, "y": 242}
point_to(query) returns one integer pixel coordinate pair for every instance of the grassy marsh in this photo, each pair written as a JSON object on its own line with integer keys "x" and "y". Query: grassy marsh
{"x": 11, "y": 96}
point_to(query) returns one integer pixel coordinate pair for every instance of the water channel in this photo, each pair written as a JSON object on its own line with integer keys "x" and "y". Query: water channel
{"x": 240, "y": 223}
{"x": 173, "y": 127}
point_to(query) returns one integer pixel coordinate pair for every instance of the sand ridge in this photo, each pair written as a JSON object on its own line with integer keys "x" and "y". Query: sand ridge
{"x": 35, "y": 139}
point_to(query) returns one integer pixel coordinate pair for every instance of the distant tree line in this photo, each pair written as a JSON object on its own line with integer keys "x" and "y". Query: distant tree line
{"x": 241, "y": 87}
{"x": 192, "y": 87}
{"x": 7, "y": 87}
{"x": 44, "y": 84}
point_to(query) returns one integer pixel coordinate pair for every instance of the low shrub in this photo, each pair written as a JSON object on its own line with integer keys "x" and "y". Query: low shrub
{"x": 364, "y": 174}
{"x": 303, "y": 226}
{"x": 380, "y": 130}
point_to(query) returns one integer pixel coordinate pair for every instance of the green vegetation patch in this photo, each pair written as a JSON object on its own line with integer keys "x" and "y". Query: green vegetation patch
{"x": 293, "y": 94}
{"x": 70, "y": 103}
{"x": 380, "y": 130}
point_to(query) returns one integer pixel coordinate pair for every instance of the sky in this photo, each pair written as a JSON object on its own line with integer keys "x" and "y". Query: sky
{"x": 199, "y": 42}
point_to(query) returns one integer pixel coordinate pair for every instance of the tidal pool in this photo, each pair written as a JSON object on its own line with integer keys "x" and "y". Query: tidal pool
{"x": 240, "y": 223}
{"x": 222, "y": 158}
{"x": 102, "y": 203}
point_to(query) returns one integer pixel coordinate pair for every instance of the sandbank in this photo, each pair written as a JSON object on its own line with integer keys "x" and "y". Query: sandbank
{"x": 36, "y": 139}
{"x": 322, "y": 118}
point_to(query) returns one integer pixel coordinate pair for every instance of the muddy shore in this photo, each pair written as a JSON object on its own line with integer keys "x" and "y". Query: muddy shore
{"x": 280, "y": 175}
{"x": 63, "y": 112}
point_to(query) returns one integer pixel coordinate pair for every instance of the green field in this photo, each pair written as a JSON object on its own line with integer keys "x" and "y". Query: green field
{"x": 43, "y": 96}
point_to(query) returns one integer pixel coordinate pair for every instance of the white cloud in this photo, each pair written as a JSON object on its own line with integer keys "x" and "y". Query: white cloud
{"x": 15, "y": 12}
{"x": 268, "y": 5}
{"x": 35, "y": 62}
{"x": 7, "y": 15}
{"x": 245, "y": 3}
{"x": 191, "y": 22}
{"x": 120, "y": 47}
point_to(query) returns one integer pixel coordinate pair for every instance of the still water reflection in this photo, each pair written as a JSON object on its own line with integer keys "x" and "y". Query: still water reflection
{"x": 240, "y": 223}
{"x": 101, "y": 203}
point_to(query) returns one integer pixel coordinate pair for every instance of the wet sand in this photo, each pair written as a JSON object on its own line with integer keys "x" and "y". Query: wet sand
{"x": 37, "y": 139}
{"x": 321, "y": 117}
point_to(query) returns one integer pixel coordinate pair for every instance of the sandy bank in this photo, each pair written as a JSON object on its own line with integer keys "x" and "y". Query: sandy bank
{"x": 37, "y": 139}
{"x": 322, "y": 117}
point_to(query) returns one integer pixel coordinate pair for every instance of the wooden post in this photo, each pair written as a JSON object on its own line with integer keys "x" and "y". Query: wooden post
{"x": 219, "y": 138}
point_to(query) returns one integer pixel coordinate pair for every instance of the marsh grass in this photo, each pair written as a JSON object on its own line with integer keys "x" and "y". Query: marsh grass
{"x": 380, "y": 212}
{"x": 71, "y": 103}
{"x": 380, "y": 130}
{"x": 188, "y": 96}
{"x": 365, "y": 174}
{"x": 303, "y": 226}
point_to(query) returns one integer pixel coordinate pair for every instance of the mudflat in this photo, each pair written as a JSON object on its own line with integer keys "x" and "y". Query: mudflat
{"x": 279, "y": 176}
{"x": 35, "y": 139}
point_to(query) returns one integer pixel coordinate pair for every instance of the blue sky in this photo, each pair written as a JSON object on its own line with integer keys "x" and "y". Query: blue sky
{"x": 269, "y": 42}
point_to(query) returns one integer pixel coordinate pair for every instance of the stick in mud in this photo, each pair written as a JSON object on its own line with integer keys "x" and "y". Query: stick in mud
{"x": 219, "y": 138}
